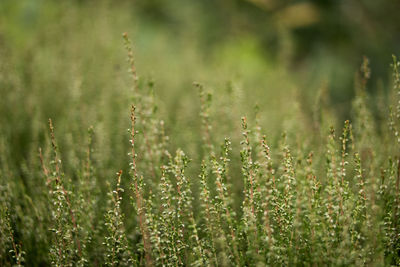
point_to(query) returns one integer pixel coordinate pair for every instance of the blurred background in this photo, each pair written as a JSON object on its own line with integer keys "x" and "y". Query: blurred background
{"x": 66, "y": 60}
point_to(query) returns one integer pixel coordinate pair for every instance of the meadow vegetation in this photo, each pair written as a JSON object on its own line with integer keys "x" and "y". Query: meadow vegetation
{"x": 132, "y": 172}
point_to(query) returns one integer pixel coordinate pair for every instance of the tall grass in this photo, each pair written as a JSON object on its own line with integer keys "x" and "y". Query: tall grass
{"x": 298, "y": 198}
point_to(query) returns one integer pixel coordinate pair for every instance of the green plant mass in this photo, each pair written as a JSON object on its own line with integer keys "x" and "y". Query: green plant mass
{"x": 199, "y": 133}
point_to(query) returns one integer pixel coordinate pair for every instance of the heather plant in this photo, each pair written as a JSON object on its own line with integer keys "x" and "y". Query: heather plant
{"x": 15, "y": 253}
{"x": 313, "y": 193}
{"x": 117, "y": 252}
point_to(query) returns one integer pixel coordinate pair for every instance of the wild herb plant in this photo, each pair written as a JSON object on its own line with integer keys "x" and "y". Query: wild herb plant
{"x": 325, "y": 197}
{"x": 117, "y": 252}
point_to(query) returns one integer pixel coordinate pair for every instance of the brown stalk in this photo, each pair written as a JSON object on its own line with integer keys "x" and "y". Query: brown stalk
{"x": 138, "y": 194}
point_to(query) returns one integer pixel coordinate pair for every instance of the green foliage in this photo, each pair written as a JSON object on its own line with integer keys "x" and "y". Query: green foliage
{"x": 307, "y": 195}
{"x": 117, "y": 252}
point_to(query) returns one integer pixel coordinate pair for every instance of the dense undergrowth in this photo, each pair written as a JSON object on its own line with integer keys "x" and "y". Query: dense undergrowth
{"x": 316, "y": 194}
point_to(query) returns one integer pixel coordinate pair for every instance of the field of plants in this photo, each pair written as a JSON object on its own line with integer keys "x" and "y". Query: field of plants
{"x": 143, "y": 133}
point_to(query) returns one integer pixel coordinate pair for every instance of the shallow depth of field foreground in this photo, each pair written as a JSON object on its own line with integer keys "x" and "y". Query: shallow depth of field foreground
{"x": 199, "y": 133}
